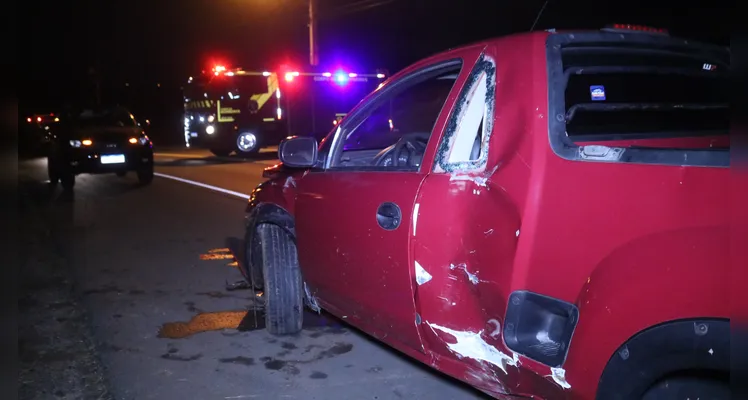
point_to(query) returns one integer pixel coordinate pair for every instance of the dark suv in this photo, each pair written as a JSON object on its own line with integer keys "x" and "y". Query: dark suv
{"x": 101, "y": 141}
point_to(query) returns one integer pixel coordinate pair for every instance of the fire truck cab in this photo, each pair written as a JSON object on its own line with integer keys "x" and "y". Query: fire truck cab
{"x": 234, "y": 110}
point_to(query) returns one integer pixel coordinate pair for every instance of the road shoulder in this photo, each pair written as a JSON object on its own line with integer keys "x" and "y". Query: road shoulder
{"x": 57, "y": 355}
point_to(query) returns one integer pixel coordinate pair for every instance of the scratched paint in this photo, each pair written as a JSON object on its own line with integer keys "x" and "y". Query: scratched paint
{"x": 559, "y": 376}
{"x": 471, "y": 345}
{"x": 472, "y": 277}
{"x": 480, "y": 180}
{"x": 422, "y": 276}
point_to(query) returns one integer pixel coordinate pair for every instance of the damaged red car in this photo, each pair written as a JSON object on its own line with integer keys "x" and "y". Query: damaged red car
{"x": 542, "y": 215}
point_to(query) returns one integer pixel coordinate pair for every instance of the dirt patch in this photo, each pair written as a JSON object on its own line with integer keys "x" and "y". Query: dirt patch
{"x": 202, "y": 323}
{"x": 58, "y": 358}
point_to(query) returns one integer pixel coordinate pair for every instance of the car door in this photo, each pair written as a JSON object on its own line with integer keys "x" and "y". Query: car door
{"x": 354, "y": 213}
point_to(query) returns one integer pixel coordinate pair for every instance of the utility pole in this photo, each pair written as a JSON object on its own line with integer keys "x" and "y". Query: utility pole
{"x": 313, "y": 55}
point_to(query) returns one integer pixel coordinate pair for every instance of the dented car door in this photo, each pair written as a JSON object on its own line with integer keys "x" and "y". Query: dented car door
{"x": 355, "y": 215}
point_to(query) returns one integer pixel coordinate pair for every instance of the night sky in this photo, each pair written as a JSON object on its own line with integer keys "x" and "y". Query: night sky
{"x": 144, "y": 42}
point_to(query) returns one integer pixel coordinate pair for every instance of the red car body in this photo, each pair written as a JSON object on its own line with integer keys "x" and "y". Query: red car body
{"x": 631, "y": 252}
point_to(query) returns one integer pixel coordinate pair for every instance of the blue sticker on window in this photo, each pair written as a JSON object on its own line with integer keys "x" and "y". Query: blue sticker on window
{"x": 597, "y": 93}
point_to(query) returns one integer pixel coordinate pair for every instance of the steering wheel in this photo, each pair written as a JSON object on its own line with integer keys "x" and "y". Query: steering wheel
{"x": 406, "y": 152}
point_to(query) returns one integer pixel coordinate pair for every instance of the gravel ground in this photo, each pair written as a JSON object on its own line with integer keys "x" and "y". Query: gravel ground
{"x": 57, "y": 355}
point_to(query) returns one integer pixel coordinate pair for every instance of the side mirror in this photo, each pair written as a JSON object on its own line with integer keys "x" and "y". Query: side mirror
{"x": 298, "y": 152}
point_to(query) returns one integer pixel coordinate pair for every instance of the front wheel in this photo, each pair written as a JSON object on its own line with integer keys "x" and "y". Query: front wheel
{"x": 67, "y": 179}
{"x": 284, "y": 301}
{"x": 145, "y": 174}
{"x": 247, "y": 144}
{"x": 52, "y": 172}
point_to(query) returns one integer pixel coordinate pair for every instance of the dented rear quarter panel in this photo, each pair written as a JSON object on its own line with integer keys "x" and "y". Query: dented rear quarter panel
{"x": 631, "y": 245}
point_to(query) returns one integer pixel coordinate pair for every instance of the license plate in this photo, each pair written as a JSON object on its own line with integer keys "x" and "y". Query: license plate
{"x": 113, "y": 159}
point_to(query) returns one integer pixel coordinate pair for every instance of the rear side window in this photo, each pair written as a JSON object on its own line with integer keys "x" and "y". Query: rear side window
{"x": 639, "y": 93}
{"x": 645, "y": 105}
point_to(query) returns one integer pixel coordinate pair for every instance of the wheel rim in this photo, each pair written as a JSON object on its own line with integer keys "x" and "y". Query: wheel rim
{"x": 246, "y": 141}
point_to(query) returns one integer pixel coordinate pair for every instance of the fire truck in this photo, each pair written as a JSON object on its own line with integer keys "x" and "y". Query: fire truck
{"x": 234, "y": 110}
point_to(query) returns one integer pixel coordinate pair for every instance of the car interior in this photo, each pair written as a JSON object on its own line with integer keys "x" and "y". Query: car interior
{"x": 396, "y": 133}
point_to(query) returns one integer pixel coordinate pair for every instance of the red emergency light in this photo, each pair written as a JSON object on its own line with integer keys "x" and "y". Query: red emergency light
{"x": 218, "y": 69}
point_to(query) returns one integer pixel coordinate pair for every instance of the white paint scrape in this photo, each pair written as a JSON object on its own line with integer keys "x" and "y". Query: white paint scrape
{"x": 478, "y": 180}
{"x": 415, "y": 217}
{"x": 559, "y": 376}
{"x": 422, "y": 276}
{"x": 471, "y": 345}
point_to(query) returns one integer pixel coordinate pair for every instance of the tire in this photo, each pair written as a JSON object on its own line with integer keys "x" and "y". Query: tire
{"x": 284, "y": 302}
{"x": 67, "y": 179}
{"x": 253, "y": 258}
{"x": 145, "y": 175}
{"x": 220, "y": 152}
{"x": 53, "y": 172}
{"x": 247, "y": 144}
{"x": 121, "y": 174}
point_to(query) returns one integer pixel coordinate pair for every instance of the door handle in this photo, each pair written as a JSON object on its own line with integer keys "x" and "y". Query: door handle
{"x": 389, "y": 216}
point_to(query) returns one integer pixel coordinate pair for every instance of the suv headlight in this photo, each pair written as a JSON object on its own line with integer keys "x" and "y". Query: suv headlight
{"x": 75, "y": 143}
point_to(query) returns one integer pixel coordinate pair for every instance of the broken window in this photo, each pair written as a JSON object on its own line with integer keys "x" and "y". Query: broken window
{"x": 465, "y": 143}
{"x": 655, "y": 99}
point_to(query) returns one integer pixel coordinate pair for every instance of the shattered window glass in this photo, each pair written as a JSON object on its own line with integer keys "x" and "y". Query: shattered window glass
{"x": 465, "y": 143}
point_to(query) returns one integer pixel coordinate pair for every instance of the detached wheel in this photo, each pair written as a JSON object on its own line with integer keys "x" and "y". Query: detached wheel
{"x": 247, "y": 144}
{"x": 284, "y": 303}
{"x": 220, "y": 152}
{"x": 145, "y": 175}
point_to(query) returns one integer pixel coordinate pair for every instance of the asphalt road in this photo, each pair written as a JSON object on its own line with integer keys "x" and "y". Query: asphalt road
{"x": 152, "y": 265}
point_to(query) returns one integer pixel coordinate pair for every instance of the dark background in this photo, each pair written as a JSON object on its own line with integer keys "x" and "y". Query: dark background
{"x": 142, "y": 51}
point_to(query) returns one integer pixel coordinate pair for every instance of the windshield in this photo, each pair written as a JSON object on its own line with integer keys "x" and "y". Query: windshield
{"x": 118, "y": 118}
{"x": 232, "y": 87}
